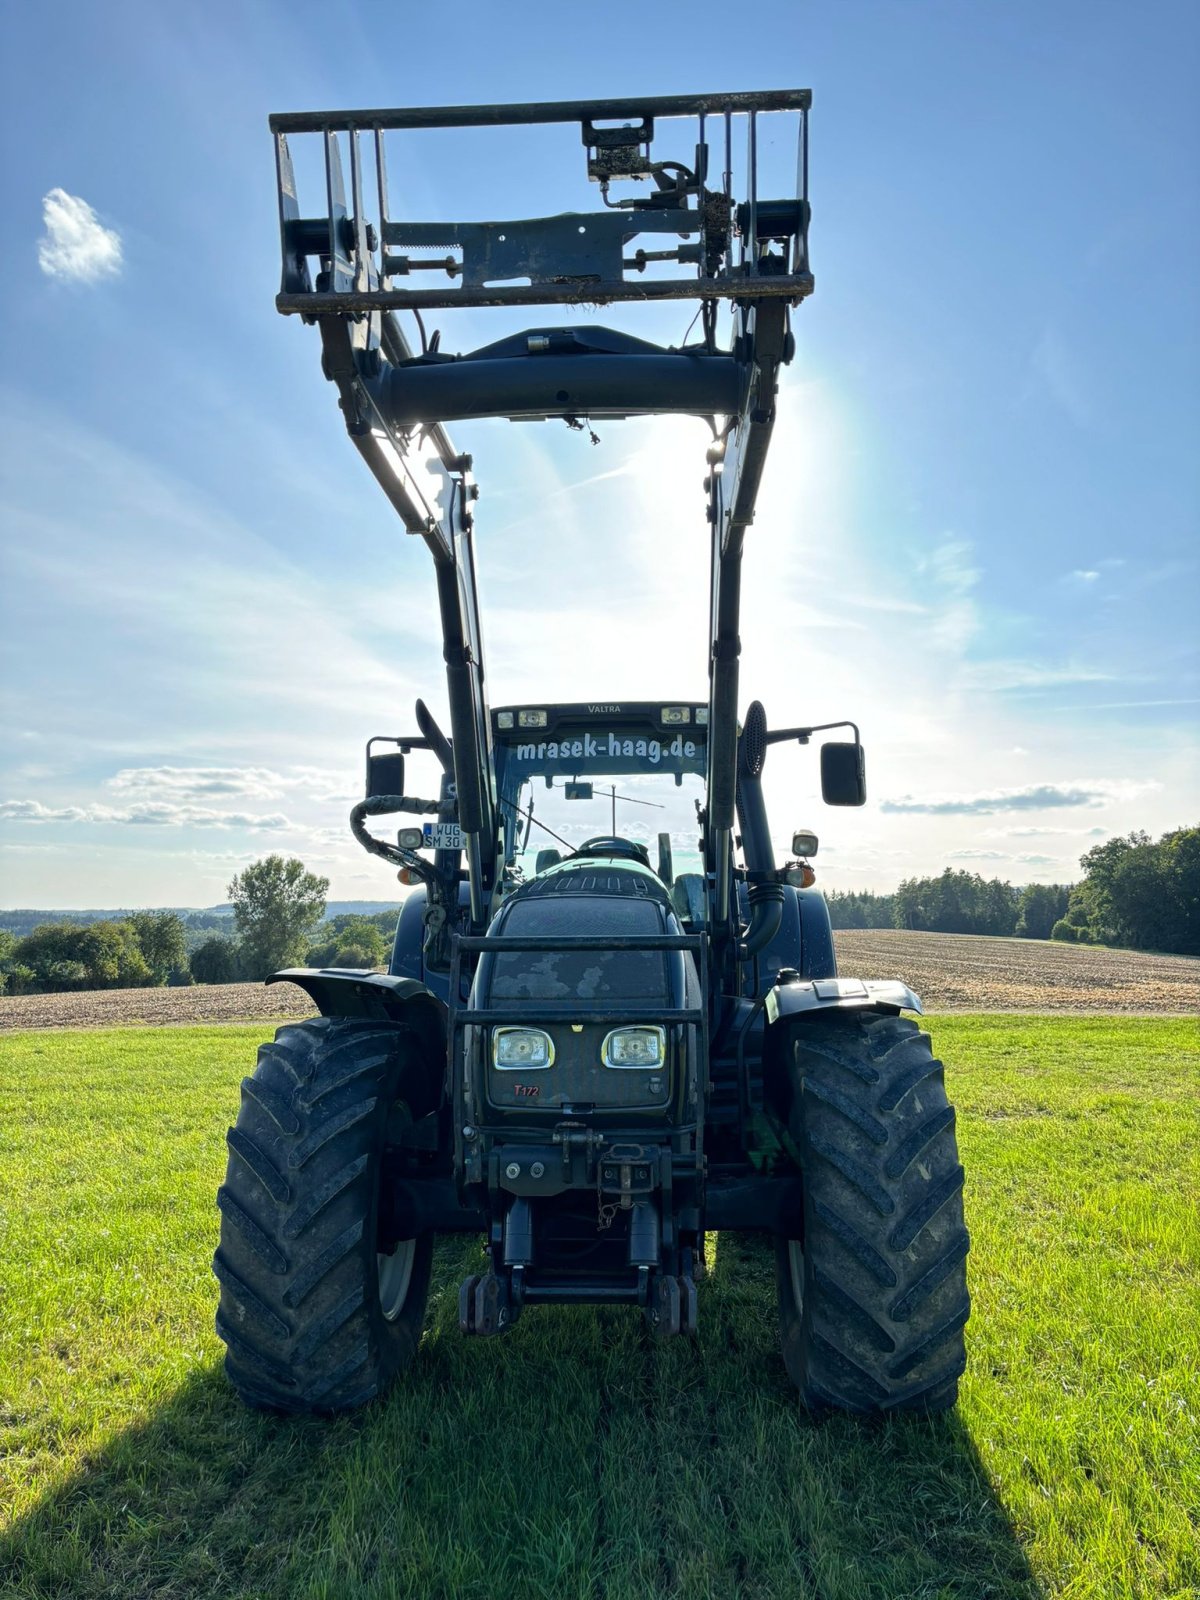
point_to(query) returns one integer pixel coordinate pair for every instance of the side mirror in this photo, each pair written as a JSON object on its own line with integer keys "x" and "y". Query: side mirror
{"x": 804, "y": 843}
{"x": 843, "y": 775}
{"x": 385, "y": 773}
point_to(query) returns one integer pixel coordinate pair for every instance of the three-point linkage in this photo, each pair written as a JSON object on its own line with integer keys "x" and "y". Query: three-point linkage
{"x": 668, "y": 229}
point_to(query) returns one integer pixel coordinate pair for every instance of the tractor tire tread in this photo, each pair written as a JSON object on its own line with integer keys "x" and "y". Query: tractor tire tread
{"x": 879, "y": 1326}
{"x": 260, "y": 1164}
{"x": 300, "y": 1307}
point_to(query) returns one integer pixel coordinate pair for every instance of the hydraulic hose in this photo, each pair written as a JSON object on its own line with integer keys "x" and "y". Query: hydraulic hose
{"x": 437, "y": 908}
{"x": 379, "y": 805}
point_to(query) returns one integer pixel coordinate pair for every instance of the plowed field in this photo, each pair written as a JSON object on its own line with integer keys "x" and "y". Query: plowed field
{"x": 963, "y": 972}
{"x": 118, "y": 1008}
{"x": 951, "y": 972}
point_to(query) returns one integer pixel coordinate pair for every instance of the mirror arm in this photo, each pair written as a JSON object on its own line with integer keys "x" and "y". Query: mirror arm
{"x": 803, "y": 735}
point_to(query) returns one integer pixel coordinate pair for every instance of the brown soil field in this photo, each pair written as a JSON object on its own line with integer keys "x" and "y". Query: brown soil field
{"x": 951, "y": 972}
{"x": 966, "y": 972}
{"x": 119, "y": 1008}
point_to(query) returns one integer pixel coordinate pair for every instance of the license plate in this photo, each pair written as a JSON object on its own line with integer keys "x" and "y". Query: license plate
{"x": 443, "y": 836}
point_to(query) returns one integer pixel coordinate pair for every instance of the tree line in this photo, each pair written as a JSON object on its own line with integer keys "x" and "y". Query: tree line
{"x": 1136, "y": 892}
{"x": 277, "y": 921}
{"x": 956, "y": 902}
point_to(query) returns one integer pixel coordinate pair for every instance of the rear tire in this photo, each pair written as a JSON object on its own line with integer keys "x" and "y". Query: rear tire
{"x": 873, "y": 1297}
{"x": 314, "y": 1319}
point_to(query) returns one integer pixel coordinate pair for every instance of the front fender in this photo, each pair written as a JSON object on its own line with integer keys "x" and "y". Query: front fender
{"x": 839, "y": 994}
{"x": 372, "y": 997}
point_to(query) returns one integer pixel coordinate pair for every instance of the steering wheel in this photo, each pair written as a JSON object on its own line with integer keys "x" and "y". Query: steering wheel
{"x": 610, "y": 845}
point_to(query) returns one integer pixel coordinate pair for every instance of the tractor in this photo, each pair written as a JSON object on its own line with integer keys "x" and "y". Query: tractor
{"x": 595, "y": 1058}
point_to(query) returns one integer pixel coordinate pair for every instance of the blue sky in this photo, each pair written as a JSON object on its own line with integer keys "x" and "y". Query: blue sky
{"x": 978, "y": 530}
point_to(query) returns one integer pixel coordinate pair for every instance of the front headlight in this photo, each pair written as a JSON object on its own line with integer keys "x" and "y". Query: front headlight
{"x": 635, "y": 1047}
{"x": 522, "y": 1047}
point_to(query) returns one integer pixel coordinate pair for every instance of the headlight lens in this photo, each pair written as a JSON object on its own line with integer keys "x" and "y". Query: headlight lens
{"x": 635, "y": 1047}
{"x": 522, "y": 1047}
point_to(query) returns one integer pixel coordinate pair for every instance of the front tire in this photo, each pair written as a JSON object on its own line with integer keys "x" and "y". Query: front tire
{"x": 314, "y": 1318}
{"x": 873, "y": 1296}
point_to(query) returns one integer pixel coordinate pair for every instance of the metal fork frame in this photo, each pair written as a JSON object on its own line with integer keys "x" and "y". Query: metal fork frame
{"x": 357, "y": 276}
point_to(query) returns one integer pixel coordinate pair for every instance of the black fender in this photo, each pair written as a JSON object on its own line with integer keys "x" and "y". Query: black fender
{"x": 796, "y": 996}
{"x": 373, "y": 997}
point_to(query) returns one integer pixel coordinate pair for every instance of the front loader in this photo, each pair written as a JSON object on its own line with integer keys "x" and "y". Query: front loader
{"x": 592, "y": 1064}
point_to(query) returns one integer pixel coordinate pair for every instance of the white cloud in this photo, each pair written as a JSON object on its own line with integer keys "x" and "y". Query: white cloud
{"x": 1034, "y": 797}
{"x": 154, "y": 814}
{"x": 994, "y": 676}
{"x": 35, "y": 811}
{"x": 76, "y": 246}
{"x": 189, "y": 782}
{"x": 951, "y": 577}
{"x": 1062, "y": 833}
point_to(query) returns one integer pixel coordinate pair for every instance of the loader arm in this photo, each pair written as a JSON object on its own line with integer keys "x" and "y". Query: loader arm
{"x": 690, "y": 237}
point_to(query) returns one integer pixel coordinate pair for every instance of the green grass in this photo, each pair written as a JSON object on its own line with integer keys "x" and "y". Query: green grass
{"x": 575, "y": 1458}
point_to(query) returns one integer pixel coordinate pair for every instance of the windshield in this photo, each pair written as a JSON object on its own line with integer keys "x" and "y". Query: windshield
{"x": 635, "y": 807}
{"x": 591, "y": 772}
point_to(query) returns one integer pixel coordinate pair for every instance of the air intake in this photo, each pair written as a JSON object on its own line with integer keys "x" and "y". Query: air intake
{"x": 754, "y": 740}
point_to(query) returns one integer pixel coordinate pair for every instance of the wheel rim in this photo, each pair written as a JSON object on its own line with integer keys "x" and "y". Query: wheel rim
{"x": 395, "y": 1274}
{"x": 795, "y": 1252}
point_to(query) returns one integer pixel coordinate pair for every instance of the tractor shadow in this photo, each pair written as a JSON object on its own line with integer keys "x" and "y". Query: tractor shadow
{"x": 575, "y": 1457}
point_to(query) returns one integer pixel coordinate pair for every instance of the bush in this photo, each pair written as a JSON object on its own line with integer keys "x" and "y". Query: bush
{"x": 1065, "y": 932}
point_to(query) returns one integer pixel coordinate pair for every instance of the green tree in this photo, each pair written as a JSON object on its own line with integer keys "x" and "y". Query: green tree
{"x": 100, "y": 955}
{"x": 859, "y": 908}
{"x": 1180, "y": 856}
{"x": 112, "y": 956}
{"x": 215, "y": 961}
{"x": 163, "y": 941}
{"x": 1142, "y": 893}
{"x": 276, "y": 906}
{"x": 955, "y": 902}
{"x": 1041, "y": 906}
{"x": 350, "y": 941}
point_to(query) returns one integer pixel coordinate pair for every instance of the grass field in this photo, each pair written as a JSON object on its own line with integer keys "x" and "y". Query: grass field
{"x": 575, "y": 1458}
